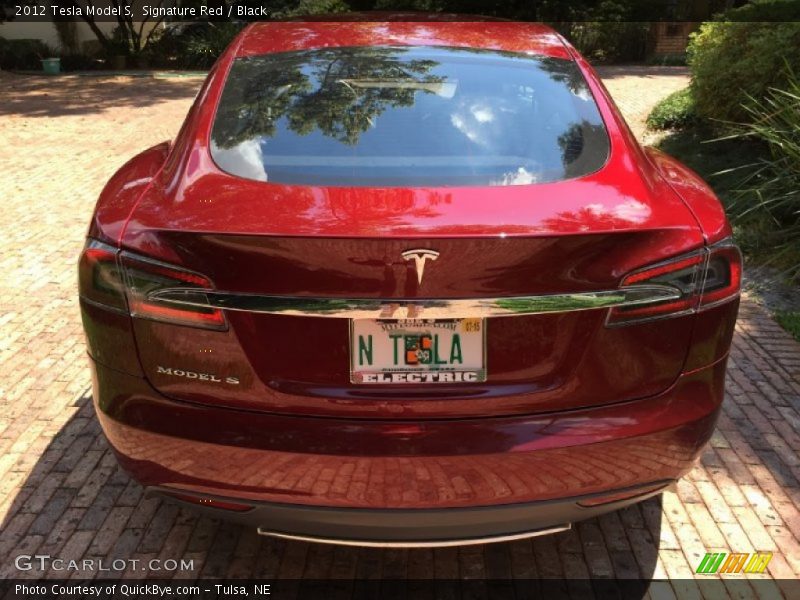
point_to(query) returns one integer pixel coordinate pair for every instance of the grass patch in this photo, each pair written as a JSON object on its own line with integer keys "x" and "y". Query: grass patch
{"x": 673, "y": 59}
{"x": 790, "y": 321}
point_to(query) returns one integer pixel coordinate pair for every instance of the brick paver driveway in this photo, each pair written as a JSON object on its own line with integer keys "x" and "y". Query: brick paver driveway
{"x": 62, "y": 494}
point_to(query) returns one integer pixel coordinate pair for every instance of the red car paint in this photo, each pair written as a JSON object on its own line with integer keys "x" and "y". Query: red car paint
{"x": 571, "y": 407}
{"x": 376, "y": 464}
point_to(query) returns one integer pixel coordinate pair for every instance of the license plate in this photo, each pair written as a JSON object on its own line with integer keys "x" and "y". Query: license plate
{"x": 410, "y": 351}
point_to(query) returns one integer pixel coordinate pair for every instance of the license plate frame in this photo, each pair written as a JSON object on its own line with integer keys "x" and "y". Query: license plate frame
{"x": 440, "y": 365}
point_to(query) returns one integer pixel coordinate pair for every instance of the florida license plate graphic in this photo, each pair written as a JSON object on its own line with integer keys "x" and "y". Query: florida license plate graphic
{"x": 403, "y": 351}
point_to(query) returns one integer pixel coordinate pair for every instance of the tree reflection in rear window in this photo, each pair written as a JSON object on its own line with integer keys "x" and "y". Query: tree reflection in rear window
{"x": 407, "y": 116}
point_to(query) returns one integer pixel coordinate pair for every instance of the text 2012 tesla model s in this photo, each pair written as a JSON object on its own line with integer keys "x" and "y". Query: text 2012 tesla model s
{"x": 407, "y": 283}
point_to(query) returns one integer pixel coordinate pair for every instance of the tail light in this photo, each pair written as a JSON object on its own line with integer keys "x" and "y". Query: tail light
{"x": 723, "y": 275}
{"x": 128, "y": 282}
{"x": 700, "y": 280}
{"x": 99, "y": 276}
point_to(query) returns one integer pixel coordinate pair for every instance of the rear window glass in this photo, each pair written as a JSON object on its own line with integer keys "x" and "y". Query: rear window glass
{"x": 407, "y": 116}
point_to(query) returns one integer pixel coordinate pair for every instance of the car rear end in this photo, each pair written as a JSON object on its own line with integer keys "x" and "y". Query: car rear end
{"x": 414, "y": 293}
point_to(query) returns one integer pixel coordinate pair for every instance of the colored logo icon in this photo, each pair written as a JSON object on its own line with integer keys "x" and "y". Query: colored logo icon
{"x": 724, "y": 562}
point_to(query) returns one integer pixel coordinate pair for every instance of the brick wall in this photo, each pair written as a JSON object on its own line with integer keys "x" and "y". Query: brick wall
{"x": 671, "y": 37}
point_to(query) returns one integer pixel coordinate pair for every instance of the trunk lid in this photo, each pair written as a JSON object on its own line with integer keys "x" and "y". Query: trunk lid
{"x": 265, "y": 239}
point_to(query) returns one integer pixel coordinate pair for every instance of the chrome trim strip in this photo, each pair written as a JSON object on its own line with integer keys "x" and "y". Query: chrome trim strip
{"x": 417, "y": 544}
{"x": 432, "y": 308}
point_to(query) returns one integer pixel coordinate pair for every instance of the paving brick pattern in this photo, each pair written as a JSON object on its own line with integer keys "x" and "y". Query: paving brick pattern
{"x": 61, "y": 492}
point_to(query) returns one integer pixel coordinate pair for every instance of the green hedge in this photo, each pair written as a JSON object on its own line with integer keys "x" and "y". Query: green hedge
{"x": 674, "y": 112}
{"x": 742, "y": 53}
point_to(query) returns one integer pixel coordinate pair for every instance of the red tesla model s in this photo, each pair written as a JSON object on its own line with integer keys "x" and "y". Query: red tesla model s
{"x": 407, "y": 283}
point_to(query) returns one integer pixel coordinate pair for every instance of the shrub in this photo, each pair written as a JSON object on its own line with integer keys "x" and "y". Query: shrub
{"x": 23, "y": 55}
{"x": 741, "y": 54}
{"x": 609, "y": 41}
{"x": 771, "y": 192}
{"x": 676, "y": 111}
{"x": 608, "y": 31}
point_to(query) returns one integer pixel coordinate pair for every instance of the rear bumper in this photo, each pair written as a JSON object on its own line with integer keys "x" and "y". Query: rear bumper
{"x": 413, "y": 527}
{"x": 373, "y": 480}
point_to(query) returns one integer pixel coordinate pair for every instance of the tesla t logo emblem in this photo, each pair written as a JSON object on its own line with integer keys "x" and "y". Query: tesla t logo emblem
{"x": 419, "y": 256}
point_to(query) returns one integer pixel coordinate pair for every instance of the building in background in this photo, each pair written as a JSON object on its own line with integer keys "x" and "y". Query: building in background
{"x": 670, "y": 38}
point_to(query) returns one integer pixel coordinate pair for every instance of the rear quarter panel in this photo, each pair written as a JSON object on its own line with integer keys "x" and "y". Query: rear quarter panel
{"x": 695, "y": 193}
{"x": 122, "y": 192}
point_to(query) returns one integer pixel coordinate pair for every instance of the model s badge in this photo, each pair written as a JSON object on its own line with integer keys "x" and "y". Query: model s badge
{"x": 195, "y": 375}
{"x": 419, "y": 256}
